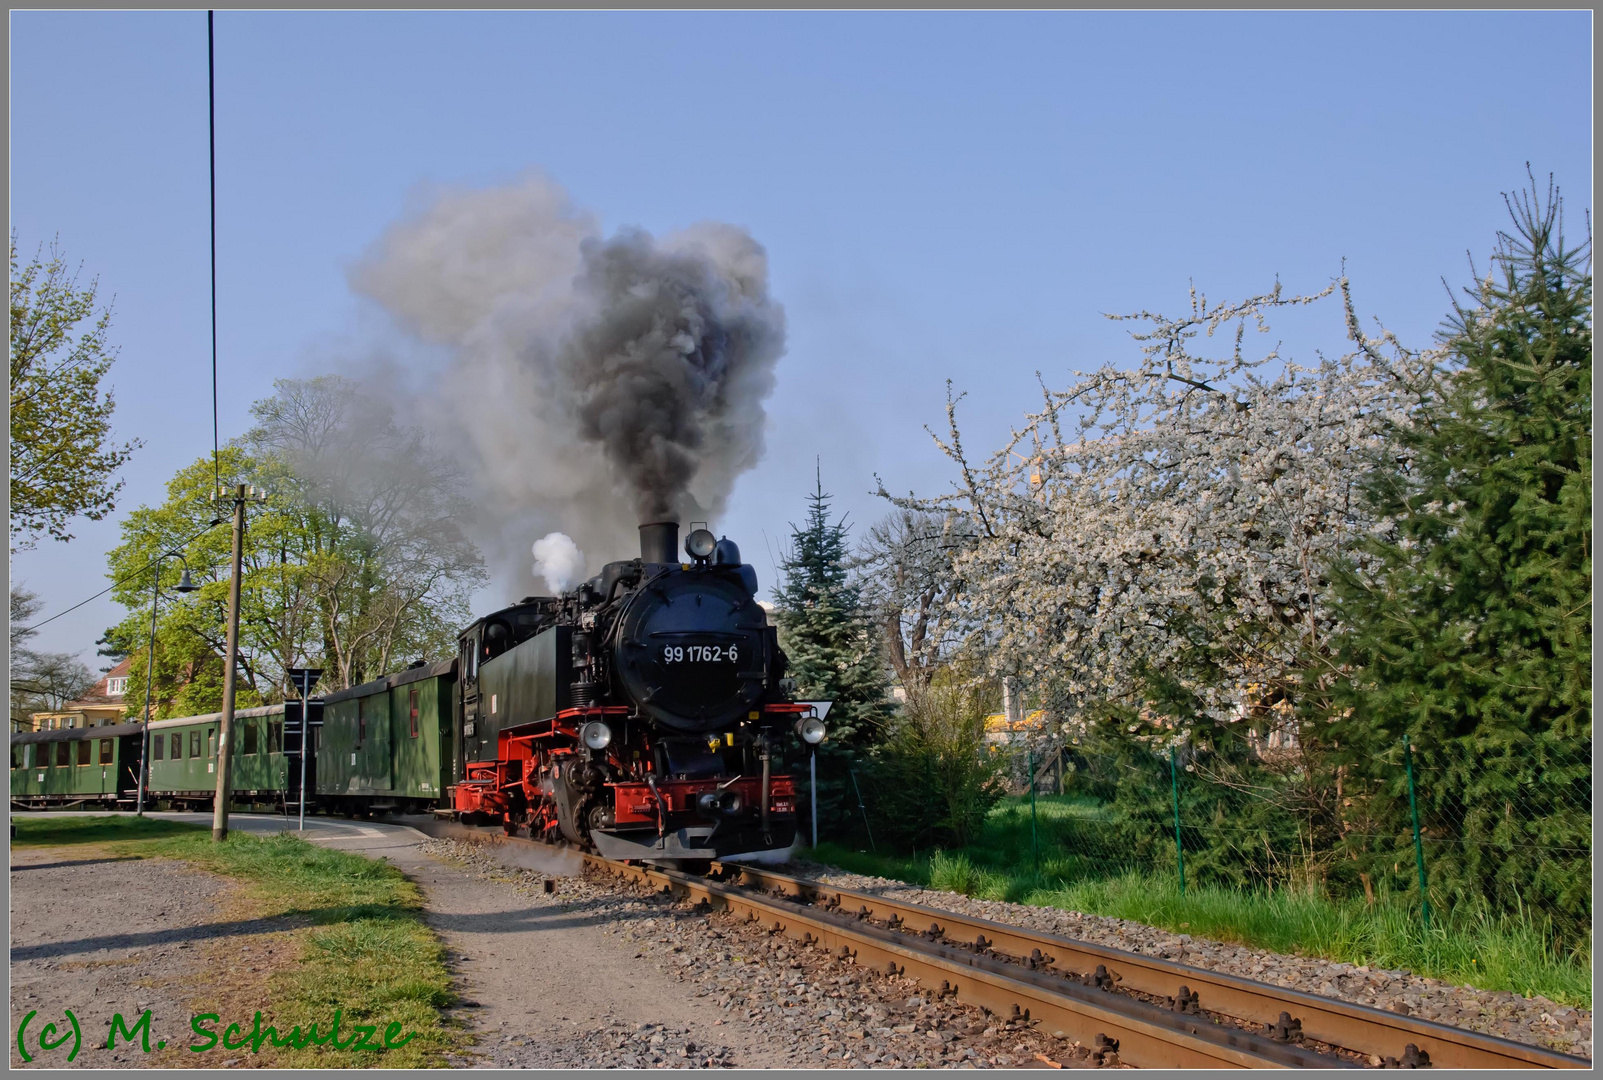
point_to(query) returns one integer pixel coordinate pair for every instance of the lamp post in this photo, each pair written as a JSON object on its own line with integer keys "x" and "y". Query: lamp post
{"x": 184, "y": 586}
{"x": 304, "y": 679}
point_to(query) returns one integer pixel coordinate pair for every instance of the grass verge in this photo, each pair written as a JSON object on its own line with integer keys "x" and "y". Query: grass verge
{"x": 364, "y": 947}
{"x": 1465, "y": 945}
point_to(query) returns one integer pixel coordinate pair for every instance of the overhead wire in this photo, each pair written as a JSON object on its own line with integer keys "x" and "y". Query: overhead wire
{"x": 211, "y": 103}
{"x": 211, "y": 123}
{"x": 120, "y": 581}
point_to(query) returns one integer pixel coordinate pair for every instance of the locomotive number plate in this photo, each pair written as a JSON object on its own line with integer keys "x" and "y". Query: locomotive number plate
{"x": 700, "y": 654}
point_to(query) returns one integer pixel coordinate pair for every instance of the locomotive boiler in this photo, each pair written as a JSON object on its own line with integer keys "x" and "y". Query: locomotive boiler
{"x": 640, "y": 714}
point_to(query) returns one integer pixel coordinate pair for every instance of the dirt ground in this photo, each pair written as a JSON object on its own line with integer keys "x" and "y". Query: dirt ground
{"x": 546, "y": 977}
{"x": 102, "y": 935}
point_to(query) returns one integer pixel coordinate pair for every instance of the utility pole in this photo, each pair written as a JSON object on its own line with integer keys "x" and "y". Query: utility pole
{"x": 225, "y": 731}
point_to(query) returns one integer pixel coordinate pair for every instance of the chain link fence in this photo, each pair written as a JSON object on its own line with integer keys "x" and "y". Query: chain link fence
{"x": 1502, "y": 829}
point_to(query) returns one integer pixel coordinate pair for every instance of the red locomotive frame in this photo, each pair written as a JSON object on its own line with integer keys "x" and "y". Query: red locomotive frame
{"x": 498, "y": 788}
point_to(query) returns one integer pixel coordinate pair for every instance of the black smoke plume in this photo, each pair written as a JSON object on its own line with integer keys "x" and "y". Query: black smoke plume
{"x": 589, "y": 383}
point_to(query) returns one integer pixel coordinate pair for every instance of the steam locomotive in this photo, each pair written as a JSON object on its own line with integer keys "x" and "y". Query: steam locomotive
{"x": 639, "y": 715}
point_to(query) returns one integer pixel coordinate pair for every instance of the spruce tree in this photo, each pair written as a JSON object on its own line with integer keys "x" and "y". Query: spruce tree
{"x": 833, "y": 654}
{"x": 1471, "y": 633}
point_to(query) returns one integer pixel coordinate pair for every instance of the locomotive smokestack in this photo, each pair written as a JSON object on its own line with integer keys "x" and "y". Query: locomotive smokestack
{"x": 659, "y": 542}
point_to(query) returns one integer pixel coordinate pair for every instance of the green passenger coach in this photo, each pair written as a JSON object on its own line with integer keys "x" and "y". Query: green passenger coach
{"x": 183, "y": 758}
{"x": 386, "y": 745}
{"x": 75, "y": 766}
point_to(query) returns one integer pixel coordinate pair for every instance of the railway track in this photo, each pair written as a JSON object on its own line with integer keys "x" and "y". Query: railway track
{"x": 1151, "y": 1013}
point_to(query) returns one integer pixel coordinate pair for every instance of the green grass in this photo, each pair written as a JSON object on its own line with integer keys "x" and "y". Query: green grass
{"x": 368, "y": 952}
{"x": 1465, "y": 945}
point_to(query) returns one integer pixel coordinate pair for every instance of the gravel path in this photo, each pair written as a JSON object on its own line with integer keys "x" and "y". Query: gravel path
{"x": 103, "y": 935}
{"x": 1530, "y": 1020}
{"x": 774, "y": 1003}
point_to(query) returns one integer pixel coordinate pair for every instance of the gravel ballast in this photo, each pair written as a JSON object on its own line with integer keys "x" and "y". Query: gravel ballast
{"x": 792, "y": 1006}
{"x": 1534, "y": 1020}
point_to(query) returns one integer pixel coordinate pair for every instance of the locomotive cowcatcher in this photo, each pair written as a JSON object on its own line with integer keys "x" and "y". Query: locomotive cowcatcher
{"x": 639, "y": 714}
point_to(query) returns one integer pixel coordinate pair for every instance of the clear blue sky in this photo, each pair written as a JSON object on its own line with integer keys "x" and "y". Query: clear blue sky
{"x": 941, "y": 195}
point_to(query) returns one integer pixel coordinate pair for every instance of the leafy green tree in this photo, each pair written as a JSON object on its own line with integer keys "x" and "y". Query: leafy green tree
{"x": 933, "y": 777}
{"x": 357, "y": 563}
{"x": 833, "y": 650}
{"x": 1472, "y": 633}
{"x": 62, "y": 456}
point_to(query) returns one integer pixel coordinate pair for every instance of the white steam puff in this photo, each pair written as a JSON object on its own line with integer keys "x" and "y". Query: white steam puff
{"x": 558, "y": 559}
{"x": 591, "y": 383}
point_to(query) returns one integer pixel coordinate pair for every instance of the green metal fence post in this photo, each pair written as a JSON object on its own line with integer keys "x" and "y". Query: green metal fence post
{"x": 861, "y": 808}
{"x": 1179, "y": 849}
{"x": 1419, "y": 849}
{"x": 1035, "y": 851}
{"x": 1174, "y": 790}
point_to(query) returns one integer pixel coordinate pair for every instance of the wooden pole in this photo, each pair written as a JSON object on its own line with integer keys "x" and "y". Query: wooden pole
{"x": 225, "y": 757}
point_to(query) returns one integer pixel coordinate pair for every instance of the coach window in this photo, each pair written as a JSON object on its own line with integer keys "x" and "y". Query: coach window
{"x": 250, "y": 739}
{"x": 105, "y": 751}
{"x": 211, "y": 742}
{"x": 275, "y": 736}
{"x": 194, "y": 743}
{"x": 178, "y": 746}
{"x": 157, "y": 745}
{"x": 63, "y": 753}
{"x": 83, "y": 751}
{"x": 412, "y": 707}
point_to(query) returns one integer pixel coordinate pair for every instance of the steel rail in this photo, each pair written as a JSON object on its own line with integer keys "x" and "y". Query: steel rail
{"x": 1360, "y": 1028}
{"x": 1145, "y": 1034}
{"x": 1020, "y": 972}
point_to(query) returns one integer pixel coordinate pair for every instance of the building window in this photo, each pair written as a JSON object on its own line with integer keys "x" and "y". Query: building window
{"x": 63, "y": 753}
{"x": 194, "y": 743}
{"x": 83, "y": 751}
{"x": 116, "y": 687}
{"x": 105, "y": 751}
{"x": 157, "y": 745}
{"x": 250, "y": 739}
{"x": 412, "y": 707}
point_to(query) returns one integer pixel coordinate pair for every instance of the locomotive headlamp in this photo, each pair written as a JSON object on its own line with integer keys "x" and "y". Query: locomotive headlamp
{"x": 699, "y": 543}
{"x": 596, "y": 735}
{"x": 811, "y": 730}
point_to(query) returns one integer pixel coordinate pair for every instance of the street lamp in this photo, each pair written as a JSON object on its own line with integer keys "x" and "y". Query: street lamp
{"x": 184, "y": 586}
